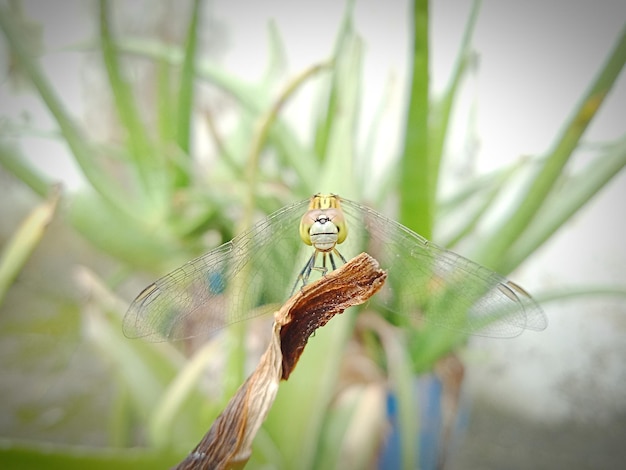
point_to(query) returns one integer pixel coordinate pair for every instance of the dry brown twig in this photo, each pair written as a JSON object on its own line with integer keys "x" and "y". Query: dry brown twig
{"x": 227, "y": 445}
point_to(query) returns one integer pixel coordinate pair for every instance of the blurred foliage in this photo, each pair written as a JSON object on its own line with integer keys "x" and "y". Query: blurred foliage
{"x": 151, "y": 202}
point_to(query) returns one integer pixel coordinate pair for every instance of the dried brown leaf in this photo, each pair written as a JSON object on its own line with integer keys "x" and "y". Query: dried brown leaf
{"x": 227, "y": 445}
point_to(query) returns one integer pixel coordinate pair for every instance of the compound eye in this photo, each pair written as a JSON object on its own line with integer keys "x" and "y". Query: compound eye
{"x": 307, "y": 221}
{"x": 337, "y": 218}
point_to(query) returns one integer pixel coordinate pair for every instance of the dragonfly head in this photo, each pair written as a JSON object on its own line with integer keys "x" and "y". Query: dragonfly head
{"x": 323, "y": 226}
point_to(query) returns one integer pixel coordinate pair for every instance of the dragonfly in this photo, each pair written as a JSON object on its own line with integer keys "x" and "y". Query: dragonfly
{"x": 254, "y": 273}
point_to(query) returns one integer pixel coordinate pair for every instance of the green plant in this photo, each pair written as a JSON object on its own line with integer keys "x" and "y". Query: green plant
{"x": 147, "y": 205}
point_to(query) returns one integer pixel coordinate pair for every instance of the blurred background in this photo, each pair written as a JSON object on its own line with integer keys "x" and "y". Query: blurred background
{"x": 151, "y": 114}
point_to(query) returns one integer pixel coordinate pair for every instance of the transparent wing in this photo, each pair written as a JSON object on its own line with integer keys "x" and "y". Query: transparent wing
{"x": 228, "y": 284}
{"x": 256, "y": 271}
{"x": 426, "y": 282}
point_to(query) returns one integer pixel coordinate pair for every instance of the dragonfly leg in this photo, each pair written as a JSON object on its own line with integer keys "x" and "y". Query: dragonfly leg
{"x": 332, "y": 261}
{"x": 309, "y": 267}
{"x": 323, "y": 269}
{"x": 304, "y": 275}
{"x": 336, "y": 251}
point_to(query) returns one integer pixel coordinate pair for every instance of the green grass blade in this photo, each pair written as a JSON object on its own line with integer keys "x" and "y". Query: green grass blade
{"x": 327, "y": 117}
{"x": 376, "y": 138}
{"x": 25, "y": 240}
{"x": 150, "y": 246}
{"x": 182, "y": 396}
{"x": 561, "y": 206}
{"x": 582, "y": 292}
{"x": 245, "y": 94}
{"x": 146, "y": 370}
{"x": 277, "y": 55}
{"x": 166, "y": 107}
{"x": 352, "y": 428}
{"x": 416, "y": 178}
{"x": 439, "y": 125}
{"x": 338, "y": 165}
{"x": 27, "y": 455}
{"x": 265, "y": 124}
{"x": 16, "y": 164}
{"x": 81, "y": 148}
{"x": 493, "y": 250}
{"x": 225, "y": 155}
{"x": 143, "y": 368}
{"x": 475, "y": 217}
{"x": 466, "y": 209}
{"x": 186, "y": 92}
{"x": 294, "y": 153}
{"x": 138, "y": 141}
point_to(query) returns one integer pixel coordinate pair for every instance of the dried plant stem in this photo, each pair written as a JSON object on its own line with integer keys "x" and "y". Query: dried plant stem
{"x": 227, "y": 445}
